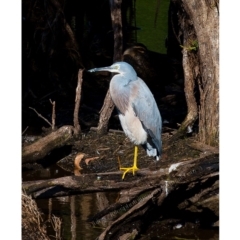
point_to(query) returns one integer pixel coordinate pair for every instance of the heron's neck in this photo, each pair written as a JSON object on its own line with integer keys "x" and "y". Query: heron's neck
{"x": 129, "y": 76}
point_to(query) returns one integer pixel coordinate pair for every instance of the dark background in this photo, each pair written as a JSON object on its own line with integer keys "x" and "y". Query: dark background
{"x": 61, "y": 36}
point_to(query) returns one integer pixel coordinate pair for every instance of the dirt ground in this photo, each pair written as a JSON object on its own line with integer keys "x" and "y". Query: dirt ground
{"x": 108, "y": 152}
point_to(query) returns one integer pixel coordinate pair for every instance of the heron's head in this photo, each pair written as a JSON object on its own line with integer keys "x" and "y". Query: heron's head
{"x": 118, "y": 67}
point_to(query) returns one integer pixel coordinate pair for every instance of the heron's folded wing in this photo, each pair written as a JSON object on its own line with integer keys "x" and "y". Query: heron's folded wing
{"x": 145, "y": 108}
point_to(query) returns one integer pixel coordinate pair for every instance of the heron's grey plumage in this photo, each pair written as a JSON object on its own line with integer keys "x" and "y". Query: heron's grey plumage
{"x": 138, "y": 111}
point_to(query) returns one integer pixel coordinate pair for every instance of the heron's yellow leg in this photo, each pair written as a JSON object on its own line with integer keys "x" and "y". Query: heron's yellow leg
{"x": 134, "y": 167}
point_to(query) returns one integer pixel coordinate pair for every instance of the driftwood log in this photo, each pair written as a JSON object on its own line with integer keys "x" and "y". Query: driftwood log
{"x": 187, "y": 186}
{"x": 43, "y": 146}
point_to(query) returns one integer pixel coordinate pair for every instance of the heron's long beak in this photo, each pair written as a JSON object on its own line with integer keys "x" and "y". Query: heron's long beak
{"x": 108, "y": 69}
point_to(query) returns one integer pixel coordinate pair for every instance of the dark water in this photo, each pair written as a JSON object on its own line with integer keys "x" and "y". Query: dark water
{"x": 53, "y": 171}
{"x": 74, "y": 212}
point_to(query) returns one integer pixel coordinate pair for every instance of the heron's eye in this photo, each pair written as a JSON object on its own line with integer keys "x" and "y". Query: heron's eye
{"x": 116, "y": 67}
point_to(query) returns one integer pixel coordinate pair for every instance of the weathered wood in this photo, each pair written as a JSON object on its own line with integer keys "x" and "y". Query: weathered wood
{"x": 205, "y": 19}
{"x": 84, "y": 184}
{"x": 43, "y": 146}
{"x": 198, "y": 26}
{"x": 108, "y": 105}
{"x": 77, "y": 127}
{"x": 195, "y": 195}
{"x": 206, "y": 149}
{"x": 105, "y": 114}
{"x": 191, "y": 185}
{"x": 178, "y": 173}
{"x": 189, "y": 89}
{"x": 121, "y": 225}
{"x": 53, "y": 114}
{"x": 128, "y": 198}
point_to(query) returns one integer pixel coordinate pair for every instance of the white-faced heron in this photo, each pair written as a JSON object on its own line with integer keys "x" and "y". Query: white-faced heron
{"x": 138, "y": 112}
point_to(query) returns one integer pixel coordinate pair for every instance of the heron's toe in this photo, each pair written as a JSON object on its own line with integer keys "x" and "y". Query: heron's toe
{"x": 133, "y": 169}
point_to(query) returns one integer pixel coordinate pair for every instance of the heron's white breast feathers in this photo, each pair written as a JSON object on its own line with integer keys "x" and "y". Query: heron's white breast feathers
{"x": 132, "y": 127}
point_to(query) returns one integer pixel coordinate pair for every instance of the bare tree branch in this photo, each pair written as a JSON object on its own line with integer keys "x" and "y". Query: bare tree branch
{"x": 53, "y": 113}
{"x": 77, "y": 127}
{"x": 39, "y": 115}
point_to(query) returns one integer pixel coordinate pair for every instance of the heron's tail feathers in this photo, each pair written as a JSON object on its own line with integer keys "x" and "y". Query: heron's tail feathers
{"x": 151, "y": 151}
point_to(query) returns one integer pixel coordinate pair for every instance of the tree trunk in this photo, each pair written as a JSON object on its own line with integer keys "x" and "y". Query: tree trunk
{"x": 199, "y": 25}
{"x": 108, "y": 105}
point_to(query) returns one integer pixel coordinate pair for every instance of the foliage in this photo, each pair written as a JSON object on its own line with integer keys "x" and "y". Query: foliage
{"x": 192, "y": 46}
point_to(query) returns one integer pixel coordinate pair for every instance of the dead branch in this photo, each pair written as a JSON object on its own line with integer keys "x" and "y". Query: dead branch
{"x": 43, "y": 146}
{"x": 47, "y": 95}
{"x": 25, "y": 130}
{"x": 116, "y": 131}
{"x": 53, "y": 113}
{"x": 105, "y": 114}
{"x": 56, "y": 223}
{"x": 206, "y": 149}
{"x": 76, "y": 124}
{"x": 39, "y": 115}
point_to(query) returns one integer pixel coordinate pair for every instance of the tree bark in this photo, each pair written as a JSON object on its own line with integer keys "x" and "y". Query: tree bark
{"x": 43, "y": 146}
{"x": 105, "y": 114}
{"x": 199, "y": 25}
{"x": 77, "y": 127}
{"x": 108, "y": 105}
{"x": 116, "y": 16}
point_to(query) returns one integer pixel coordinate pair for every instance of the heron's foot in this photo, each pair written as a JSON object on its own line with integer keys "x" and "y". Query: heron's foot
{"x": 133, "y": 169}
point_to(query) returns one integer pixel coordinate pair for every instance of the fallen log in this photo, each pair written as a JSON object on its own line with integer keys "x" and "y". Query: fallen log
{"x": 43, "y": 146}
{"x": 184, "y": 200}
{"x": 184, "y": 188}
{"x": 120, "y": 227}
{"x": 86, "y": 183}
{"x": 177, "y": 173}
